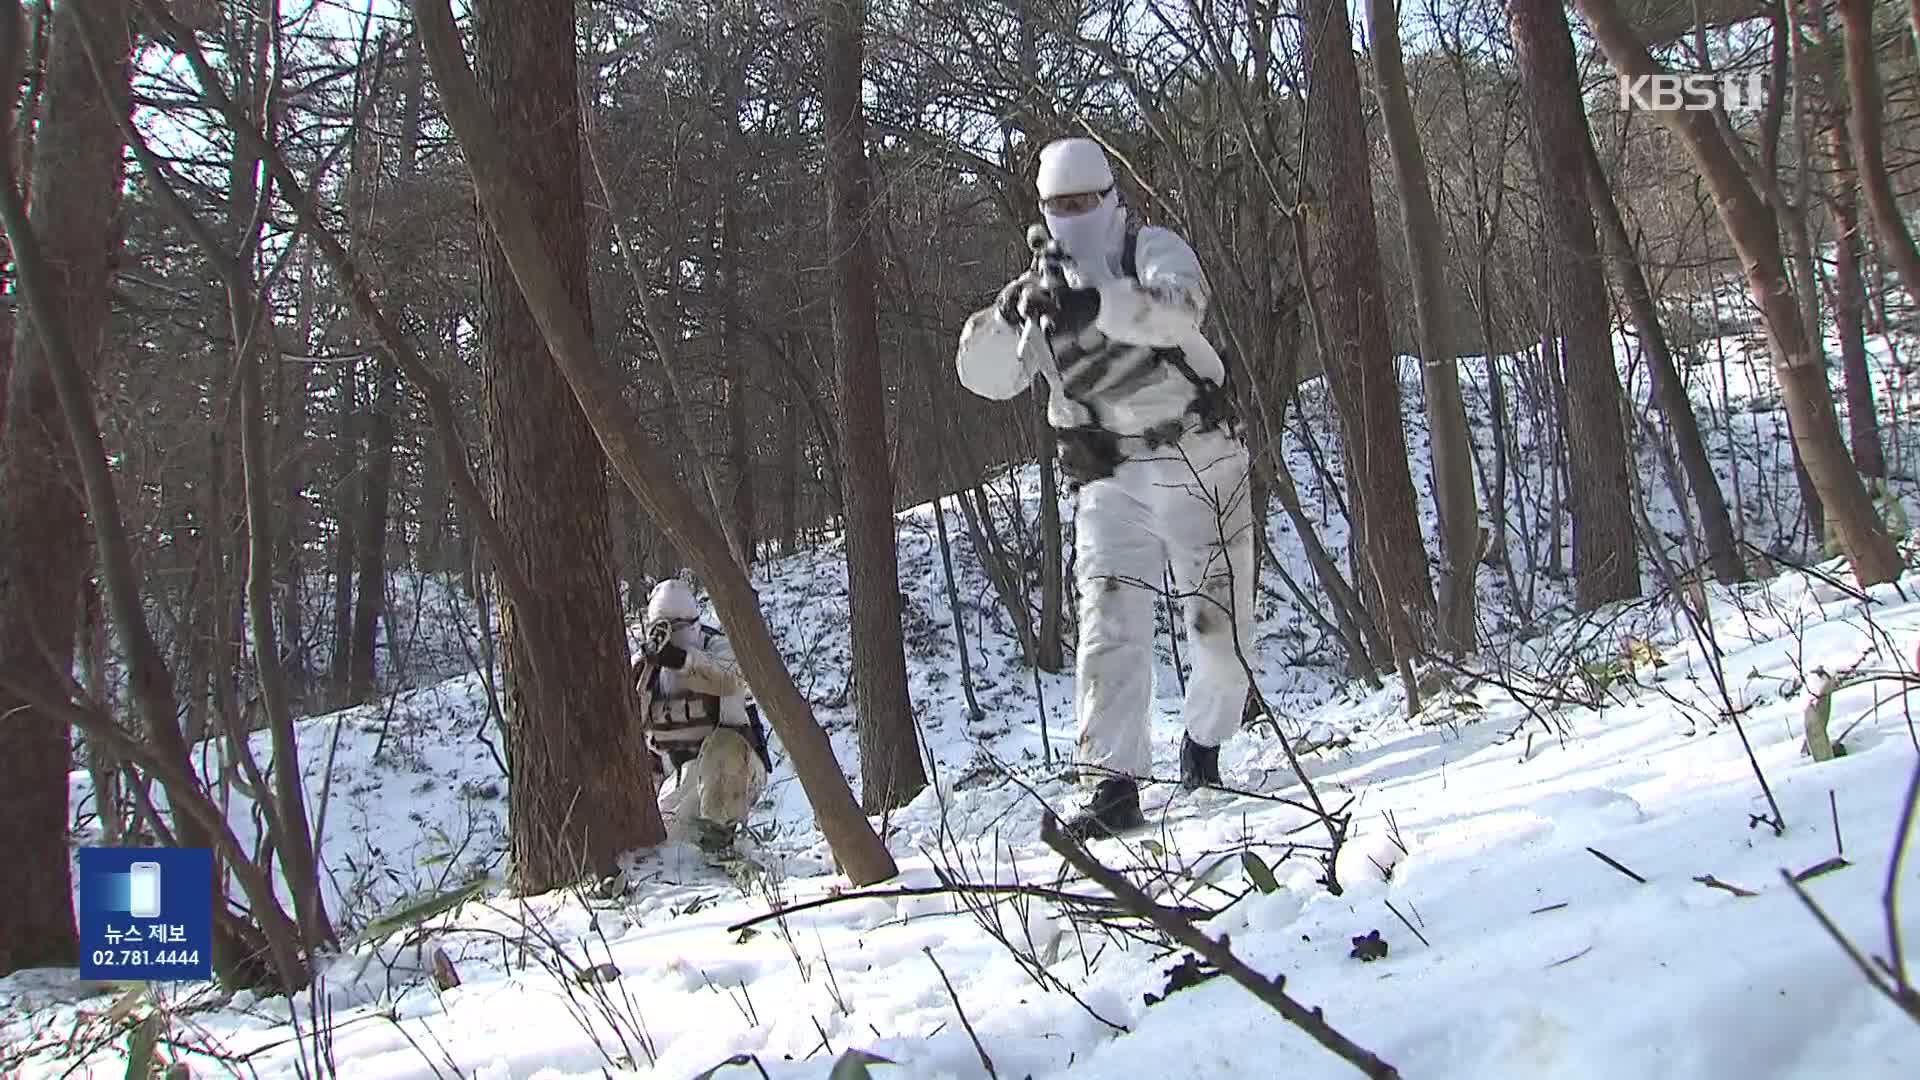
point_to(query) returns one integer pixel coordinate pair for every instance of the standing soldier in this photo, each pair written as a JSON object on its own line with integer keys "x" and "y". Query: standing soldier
{"x": 1139, "y": 406}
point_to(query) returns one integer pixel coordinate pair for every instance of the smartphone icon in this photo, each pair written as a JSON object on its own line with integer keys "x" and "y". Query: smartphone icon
{"x": 143, "y": 890}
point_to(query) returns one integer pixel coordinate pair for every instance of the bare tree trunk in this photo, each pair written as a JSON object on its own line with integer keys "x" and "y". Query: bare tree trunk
{"x": 1439, "y": 368}
{"x": 1850, "y": 309}
{"x": 103, "y": 764}
{"x": 1500, "y": 417}
{"x": 1803, "y": 381}
{"x": 890, "y": 770}
{"x": 1606, "y": 558}
{"x": 732, "y": 349}
{"x": 291, "y": 458}
{"x": 347, "y": 485}
{"x": 287, "y": 816}
{"x": 43, "y": 526}
{"x": 1359, "y": 355}
{"x": 581, "y": 794}
{"x": 370, "y": 582}
{"x": 732, "y": 352}
{"x": 860, "y": 851}
{"x": 792, "y": 462}
{"x": 1723, "y": 552}
{"x": 1869, "y": 140}
{"x": 64, "y": 367}
{"x": 370, "y": 543}
{"x": 1849, "y": 285}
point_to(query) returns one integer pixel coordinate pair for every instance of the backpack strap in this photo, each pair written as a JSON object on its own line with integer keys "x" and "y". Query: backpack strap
{"x": 1129, "y": 253}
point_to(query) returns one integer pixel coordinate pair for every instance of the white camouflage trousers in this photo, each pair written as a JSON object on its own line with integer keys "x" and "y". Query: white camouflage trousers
{"x": 1187, "y": 505}
{"x": 720, "y": 785}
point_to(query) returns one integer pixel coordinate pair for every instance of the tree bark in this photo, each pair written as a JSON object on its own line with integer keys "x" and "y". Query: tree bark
{"x": 371, "y": 522}
{"x": 1439, "y": 368}
{"x": 348, "y": 483}
{"x": 370, "y": 543}
{"x": 60, "y": 365}
{"x": 581, "y": 793}
{"x": 1803, "y": 379}
{"x": 1849, "y": 285}
{"x": 1723, "y": 552}
{"x": 1359, "y": 353}
{"x": 791, "y": 463}
{"x": 1850, "y": 317}
{"x": 43, "y": 526}
{"x": 732, "y": 349}
{"x": 1606, "y": 558}
{"x": 890, "y": 770}
{"x": 503, "y": 198}
{"x": 290, "y": 453}
{"x": 285, "y": 804}
{"x": 1865, "y": 125}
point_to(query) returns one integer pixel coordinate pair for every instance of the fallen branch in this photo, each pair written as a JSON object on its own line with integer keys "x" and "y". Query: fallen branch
{"x": 1570, "y": 959}
{"x": 1825, "y": 866}
{"x": 1038, "y": 892}
{"x": 1610, "y": 861}
{"x": 1712, "y": 882}
{"x": 1312, "y": 1021}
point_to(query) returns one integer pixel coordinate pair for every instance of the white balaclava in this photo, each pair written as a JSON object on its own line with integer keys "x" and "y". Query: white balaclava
{"x": 1093, "y": 239}
{"x": 672, "y": 599}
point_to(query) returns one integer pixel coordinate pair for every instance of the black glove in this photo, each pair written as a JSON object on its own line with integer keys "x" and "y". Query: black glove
{"x": 660, "y": 647}
{"x": 1075, "y": 310}
{"x": 1024, "y": 299}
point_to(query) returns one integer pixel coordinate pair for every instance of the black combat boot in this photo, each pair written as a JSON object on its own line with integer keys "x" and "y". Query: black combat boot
{"x": 1199, "y": 765}
{"x": 1114, "y": 809}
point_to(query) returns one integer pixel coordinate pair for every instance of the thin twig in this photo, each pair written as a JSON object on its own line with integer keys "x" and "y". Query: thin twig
{"x": 1825, "y": 866}
{"x": 964, "y": 1022}
{"x": 1610, "y": 861}
{"x": 1549, "y": 907}
{"x": 1408, "y": 925}
{"x": 1571, "y": 959}
{"x": 1038, "y": 892}
{"x": 1270, "y": 991}
{"x": 1839, "y": 845}
{"x": 1906, "y": 999}
{"x": 1890, "y": 897}
{"x": 1712, "y": 882}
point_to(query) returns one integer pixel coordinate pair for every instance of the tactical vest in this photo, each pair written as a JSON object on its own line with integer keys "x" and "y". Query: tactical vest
{"x": 681, "y": 721}
{"x": 1092, "y": 451}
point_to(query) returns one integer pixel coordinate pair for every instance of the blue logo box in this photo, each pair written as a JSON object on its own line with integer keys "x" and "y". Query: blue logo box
{"x": 146, "y": 914}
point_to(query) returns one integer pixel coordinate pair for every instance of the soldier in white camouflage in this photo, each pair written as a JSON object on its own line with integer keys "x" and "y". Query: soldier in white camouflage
{"x": 706, "y": 739}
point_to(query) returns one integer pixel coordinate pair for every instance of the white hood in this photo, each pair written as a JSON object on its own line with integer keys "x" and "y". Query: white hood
{"x": 1093, "y": 240}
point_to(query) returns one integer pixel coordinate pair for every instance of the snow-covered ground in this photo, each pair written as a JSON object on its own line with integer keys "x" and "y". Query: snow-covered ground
{"x": 1512, "y": 947}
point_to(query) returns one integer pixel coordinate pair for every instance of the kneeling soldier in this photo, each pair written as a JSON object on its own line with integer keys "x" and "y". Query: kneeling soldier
{"x": 699, "y": 723}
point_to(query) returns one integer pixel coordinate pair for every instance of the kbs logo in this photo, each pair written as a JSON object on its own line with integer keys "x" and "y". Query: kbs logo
{"x": 1694, "y": 91}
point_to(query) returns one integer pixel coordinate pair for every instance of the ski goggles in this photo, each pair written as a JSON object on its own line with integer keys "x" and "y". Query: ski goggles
{"x": 1076, "y": 203}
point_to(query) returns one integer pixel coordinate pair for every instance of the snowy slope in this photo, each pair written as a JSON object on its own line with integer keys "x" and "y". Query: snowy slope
{"x": 1539, "y": 958}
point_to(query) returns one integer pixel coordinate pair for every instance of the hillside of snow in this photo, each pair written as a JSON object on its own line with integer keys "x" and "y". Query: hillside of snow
{"x": 1529, "y": 848}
